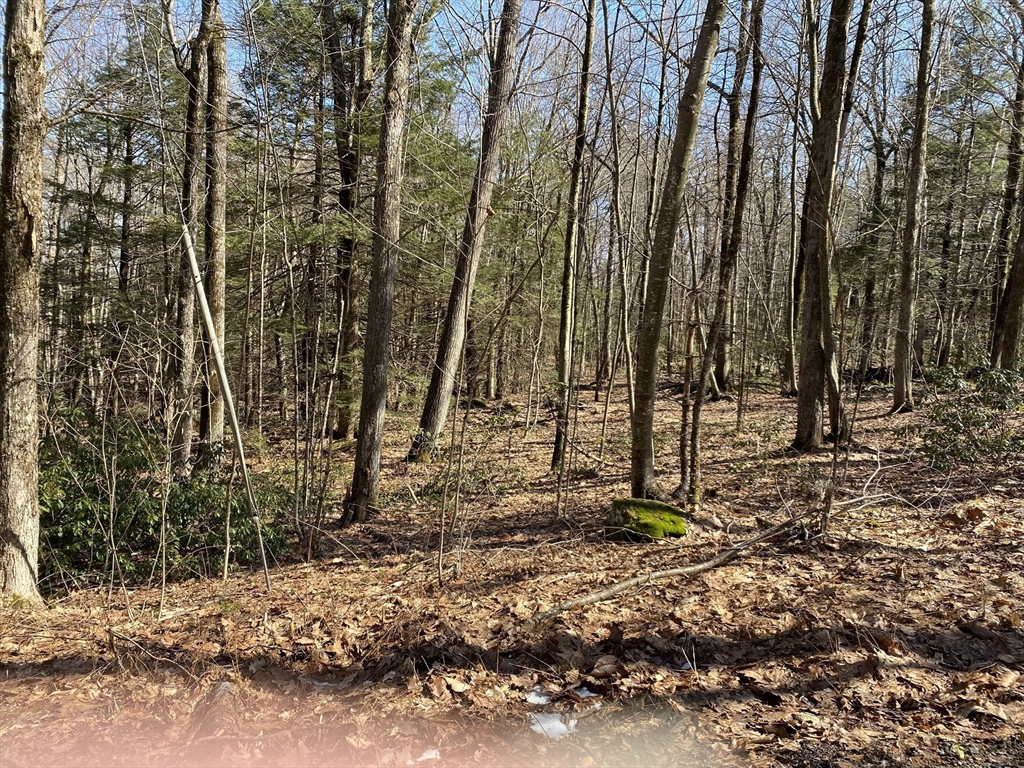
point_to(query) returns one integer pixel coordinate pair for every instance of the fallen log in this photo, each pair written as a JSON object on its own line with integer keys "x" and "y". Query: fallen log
{"x": 684, "y": 571}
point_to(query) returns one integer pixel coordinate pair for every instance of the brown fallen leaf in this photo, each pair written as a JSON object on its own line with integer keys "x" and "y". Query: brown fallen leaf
{"x": 976, "y": 709}
{"x": 1006, "y": 678}
{"x": 979, "y": 630}
{"x": 805, "y": 720}
{"x": 457, "y": 685}
{"x": 606, "y": 666}
{"x": 438, "y": 686}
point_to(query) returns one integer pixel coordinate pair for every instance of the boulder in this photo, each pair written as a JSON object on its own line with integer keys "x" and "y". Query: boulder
{"x": 643, "y": 520}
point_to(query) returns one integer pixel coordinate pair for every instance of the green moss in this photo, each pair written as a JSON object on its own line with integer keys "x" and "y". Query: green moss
{"x": 423, "y": 456}
{"x": 643, "y": 520}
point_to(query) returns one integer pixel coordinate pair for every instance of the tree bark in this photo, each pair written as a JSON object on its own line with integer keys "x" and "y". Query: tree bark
{"x": 903, "y": 363}
{"x": 875, "y": 221}
{"x": 1013, "y": 299}
{"x": 453, "y": 334}
{"x": 124, "y": 264}
{"x": 350, "y": 88}
{"x": 1001, "y": 306}
{"x": 795, "y": 272}
{"x": 212, "y": 419}
{"x": 721, "y": 337}
{"x": 727, "y": 268}
{"x": 642, "y": 476}
{"x": 362, "y": 496}
{"x": 817, "y": 346}
{"x": 567, "y": 314}
{"x": 182, "y": 368}
{"x": 21, "y": 230}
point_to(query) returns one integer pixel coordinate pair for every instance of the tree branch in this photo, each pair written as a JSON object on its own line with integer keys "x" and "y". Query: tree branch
{"x": 685, "y": 571}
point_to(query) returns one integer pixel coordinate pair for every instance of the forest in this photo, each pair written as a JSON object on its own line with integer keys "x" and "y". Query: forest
{"x": 512, "y": 383}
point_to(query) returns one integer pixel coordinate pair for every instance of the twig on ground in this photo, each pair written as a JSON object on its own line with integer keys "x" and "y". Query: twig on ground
{"x": 685, "y": 571}
{"x": 112, "y": 636}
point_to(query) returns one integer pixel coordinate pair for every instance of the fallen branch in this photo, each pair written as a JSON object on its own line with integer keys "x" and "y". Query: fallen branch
{"x": 685, "y": 571}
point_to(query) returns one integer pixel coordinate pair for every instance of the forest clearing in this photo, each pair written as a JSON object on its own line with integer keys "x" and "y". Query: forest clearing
{"x": 895, "y": 641}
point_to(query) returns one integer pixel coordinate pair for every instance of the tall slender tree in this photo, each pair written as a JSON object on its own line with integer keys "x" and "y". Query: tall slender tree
{"x": 642, "y": 476}
{"x": 903, "y": 364}
{"x": 212, "y": 413}
{"x": 1000, "y": 296}
{"x": 182, "y": 369}
{"x": 362, "y": 496}
{"x": 722, "y": 334}
{"x": 453, "y": 334}
{"x": 730, "y": 253}
{"x": 817, "y": 349}
{"x": 21, "y": 232}
{"x": 570, "y": 258}
{"x": 350, "y": 90}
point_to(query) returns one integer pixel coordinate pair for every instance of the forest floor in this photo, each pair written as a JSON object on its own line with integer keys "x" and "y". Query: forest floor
{"x": 895, "y": 641}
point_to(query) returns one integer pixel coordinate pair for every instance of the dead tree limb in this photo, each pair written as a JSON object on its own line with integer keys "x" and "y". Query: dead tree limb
{"x": 685, "y": 571}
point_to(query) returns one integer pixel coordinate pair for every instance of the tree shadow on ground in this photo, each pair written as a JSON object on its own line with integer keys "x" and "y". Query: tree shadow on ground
{"x": 652, "y": 706}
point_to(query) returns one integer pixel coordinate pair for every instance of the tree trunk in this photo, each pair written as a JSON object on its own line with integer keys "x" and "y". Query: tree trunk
{"x": 1013, "y": 300}
{"x": 350, "y": 88}
{"x": 903, "y": 363}
{"x": 362, "y": 496}
{"x": 567, "y": 315}
{"x": 124, "y": 263}
{"x": 182, "y": 369}
{"x": 1013, "y": 163}
{"x": 795, "y": 273}
{"x": 727, "y": 268}
{"x": 642, "y": 477}
{"x": 216, "y": 208}
{"x": 21, "y": 230}
{"x": 721, "y": 337}
{"x": 875, "y": 220}
{"x": 453, "y": 334}
{"x": 817, "y": 347}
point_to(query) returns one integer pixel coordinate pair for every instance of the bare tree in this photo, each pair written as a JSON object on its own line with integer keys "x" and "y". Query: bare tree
{"x": 21, "y": 230}
{"x": 903, "y": 364}
{"x": 731, "y": 242}
{"x": 1013, "y": 301}
{"x": 1001, "y": 293}
{"x": 567, "y": 316}
{"x": 721, "y": 335}
{"x": 362, "y": 496}
{"x": 350, "y": 89}
{"x": 642, "y": 477}
{"x": 453, "y": 335}
{"x": 817, "y": 350}
{"x": 211, "y": 427}
{"x": 182, "y": 369}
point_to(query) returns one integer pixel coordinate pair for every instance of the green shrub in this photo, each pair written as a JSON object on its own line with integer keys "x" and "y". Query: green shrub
{"x": 102, "y": 493}
{"x": 946, "y": 379}
{"x": 975, "y": 424}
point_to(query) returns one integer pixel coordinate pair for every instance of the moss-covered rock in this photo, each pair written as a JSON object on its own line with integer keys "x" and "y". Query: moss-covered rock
{"x": 643, "y": 520}
{"x": 422, "y": 456}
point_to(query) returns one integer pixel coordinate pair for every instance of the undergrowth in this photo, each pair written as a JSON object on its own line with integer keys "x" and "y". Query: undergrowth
{"x": 975, "y": 420}
{"x": 105, "y": 498}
